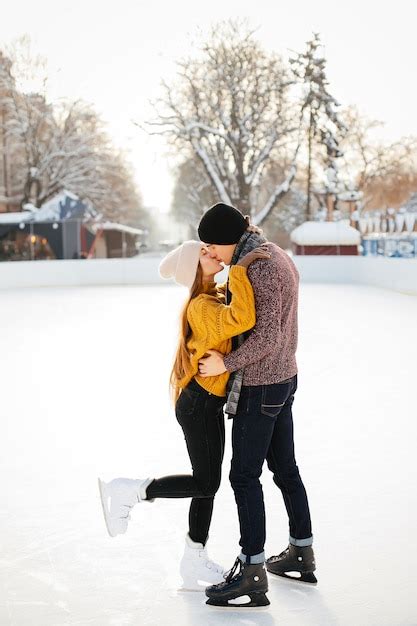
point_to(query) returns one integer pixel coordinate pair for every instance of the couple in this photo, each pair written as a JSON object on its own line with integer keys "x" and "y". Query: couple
{"x": 248, "y": 329}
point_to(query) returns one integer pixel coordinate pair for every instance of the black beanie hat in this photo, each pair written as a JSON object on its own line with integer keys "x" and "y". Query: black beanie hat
{"x": 222, "y": 224}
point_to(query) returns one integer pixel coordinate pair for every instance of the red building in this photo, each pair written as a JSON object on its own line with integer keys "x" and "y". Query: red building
{"x": 326, "y": 238}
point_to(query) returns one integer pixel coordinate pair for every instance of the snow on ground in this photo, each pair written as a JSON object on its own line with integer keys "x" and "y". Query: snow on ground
{"x": 83, "y": 376}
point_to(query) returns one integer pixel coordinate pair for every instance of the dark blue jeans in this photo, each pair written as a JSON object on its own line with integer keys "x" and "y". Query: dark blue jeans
{"x": 263, "y": 429}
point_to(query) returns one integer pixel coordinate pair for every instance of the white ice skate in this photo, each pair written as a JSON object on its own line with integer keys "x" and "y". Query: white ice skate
{"x": 118, "y": 497}
{"x": 196, "y": 569}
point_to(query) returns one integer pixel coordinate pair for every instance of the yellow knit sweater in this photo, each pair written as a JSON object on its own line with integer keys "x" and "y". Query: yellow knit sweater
{"x": 213, "y": 324}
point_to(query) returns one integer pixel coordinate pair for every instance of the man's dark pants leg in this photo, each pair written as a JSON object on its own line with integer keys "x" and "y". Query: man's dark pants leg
{"x": 263, "y": 429}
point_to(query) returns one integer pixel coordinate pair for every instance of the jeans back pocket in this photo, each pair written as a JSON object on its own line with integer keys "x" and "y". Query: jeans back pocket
{"x": 274, "y": 397}
{"x": 187, "y": 403}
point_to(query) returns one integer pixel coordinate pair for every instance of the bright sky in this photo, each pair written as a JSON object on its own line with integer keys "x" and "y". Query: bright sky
{"x": 114, "y": 54}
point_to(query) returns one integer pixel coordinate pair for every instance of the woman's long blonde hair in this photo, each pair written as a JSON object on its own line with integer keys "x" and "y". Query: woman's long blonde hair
{"x": 182, "y": 364}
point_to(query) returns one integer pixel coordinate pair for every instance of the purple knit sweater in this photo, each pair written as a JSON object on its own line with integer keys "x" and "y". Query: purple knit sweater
{"x": 268, "y": 353}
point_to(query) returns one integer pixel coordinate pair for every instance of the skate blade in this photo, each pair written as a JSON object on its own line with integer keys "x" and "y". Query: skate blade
{"x": 199, "y": 586}
{"x": 106, "y": 512}
{"x": 257, "y": 601}
{"x": 305, "y": 577}
{"x": 191, "y": 589}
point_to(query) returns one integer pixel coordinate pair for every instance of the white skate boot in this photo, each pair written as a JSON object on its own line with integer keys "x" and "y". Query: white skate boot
{"x": 118, "y": 497}
{"x": 196, "y": 569}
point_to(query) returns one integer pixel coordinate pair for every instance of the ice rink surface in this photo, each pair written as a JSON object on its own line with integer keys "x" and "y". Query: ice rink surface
{"x": 84, "y": 375}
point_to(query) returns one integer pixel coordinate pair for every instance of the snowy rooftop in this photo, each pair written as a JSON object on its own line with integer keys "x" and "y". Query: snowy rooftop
{"x": 63, "y": 205}
{"x": 325, "y": 233}
{"x": 96, "y": 226}
{"x": 16, "y": 217}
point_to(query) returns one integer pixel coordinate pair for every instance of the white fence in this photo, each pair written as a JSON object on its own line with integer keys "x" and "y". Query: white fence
{"x": 389, "y": 273}
{"x": 132, "y": 271}
{"x": 395, "y": 274}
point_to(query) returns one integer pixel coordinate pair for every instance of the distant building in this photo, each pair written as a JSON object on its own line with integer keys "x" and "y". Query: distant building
{"x": 113, "y": 240}
{"x": 327, "y": 238}
{"x": 65, "y": 228}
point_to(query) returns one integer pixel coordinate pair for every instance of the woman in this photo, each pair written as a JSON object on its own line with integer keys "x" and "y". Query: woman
{"x": 206, "y": 323}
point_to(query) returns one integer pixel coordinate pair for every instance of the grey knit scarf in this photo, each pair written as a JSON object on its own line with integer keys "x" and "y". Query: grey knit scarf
{"x": 246, "y": 243}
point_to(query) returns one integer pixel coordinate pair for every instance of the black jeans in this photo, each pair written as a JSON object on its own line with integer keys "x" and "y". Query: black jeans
{"x": 200, "y": 415}
{"x": 263, "y": 429}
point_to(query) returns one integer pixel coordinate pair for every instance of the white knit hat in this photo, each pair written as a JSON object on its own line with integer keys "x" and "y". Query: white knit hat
{"x": 181, "y": 264}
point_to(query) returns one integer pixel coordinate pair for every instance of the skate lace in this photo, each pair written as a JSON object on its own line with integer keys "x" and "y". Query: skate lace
{"x": 213, "y": 566}
{"x": 209, "y": 563}
{"x": 231, "y": 572}
{"x": 281, "y": 555}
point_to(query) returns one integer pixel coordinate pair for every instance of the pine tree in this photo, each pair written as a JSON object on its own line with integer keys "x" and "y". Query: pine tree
{"x": 319, "y": 109}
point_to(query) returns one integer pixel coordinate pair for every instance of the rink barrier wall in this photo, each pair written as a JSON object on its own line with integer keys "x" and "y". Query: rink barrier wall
{"x": 394, "y": 274}
{"x": 133, "y": 271}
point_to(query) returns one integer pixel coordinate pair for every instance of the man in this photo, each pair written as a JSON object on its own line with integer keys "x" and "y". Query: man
{"x": 260, "y": 397}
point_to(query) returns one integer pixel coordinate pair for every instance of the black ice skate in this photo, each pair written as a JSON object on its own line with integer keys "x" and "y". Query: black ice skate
{"x": 251, "y": 580}
{"x": 295, "y": 563}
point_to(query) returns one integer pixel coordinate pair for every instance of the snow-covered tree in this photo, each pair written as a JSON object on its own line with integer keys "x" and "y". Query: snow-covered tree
{"x": 10, "y": 187}
{"x": 231, "y": 108}
{"x": 193, "y": 193}
{"x": 56, "y": 146}
{"x": 291, "y": 211}
{"x": 122, "y": 201}
{"x": 319, "y": 107}
{"x": 386, "y": 172}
